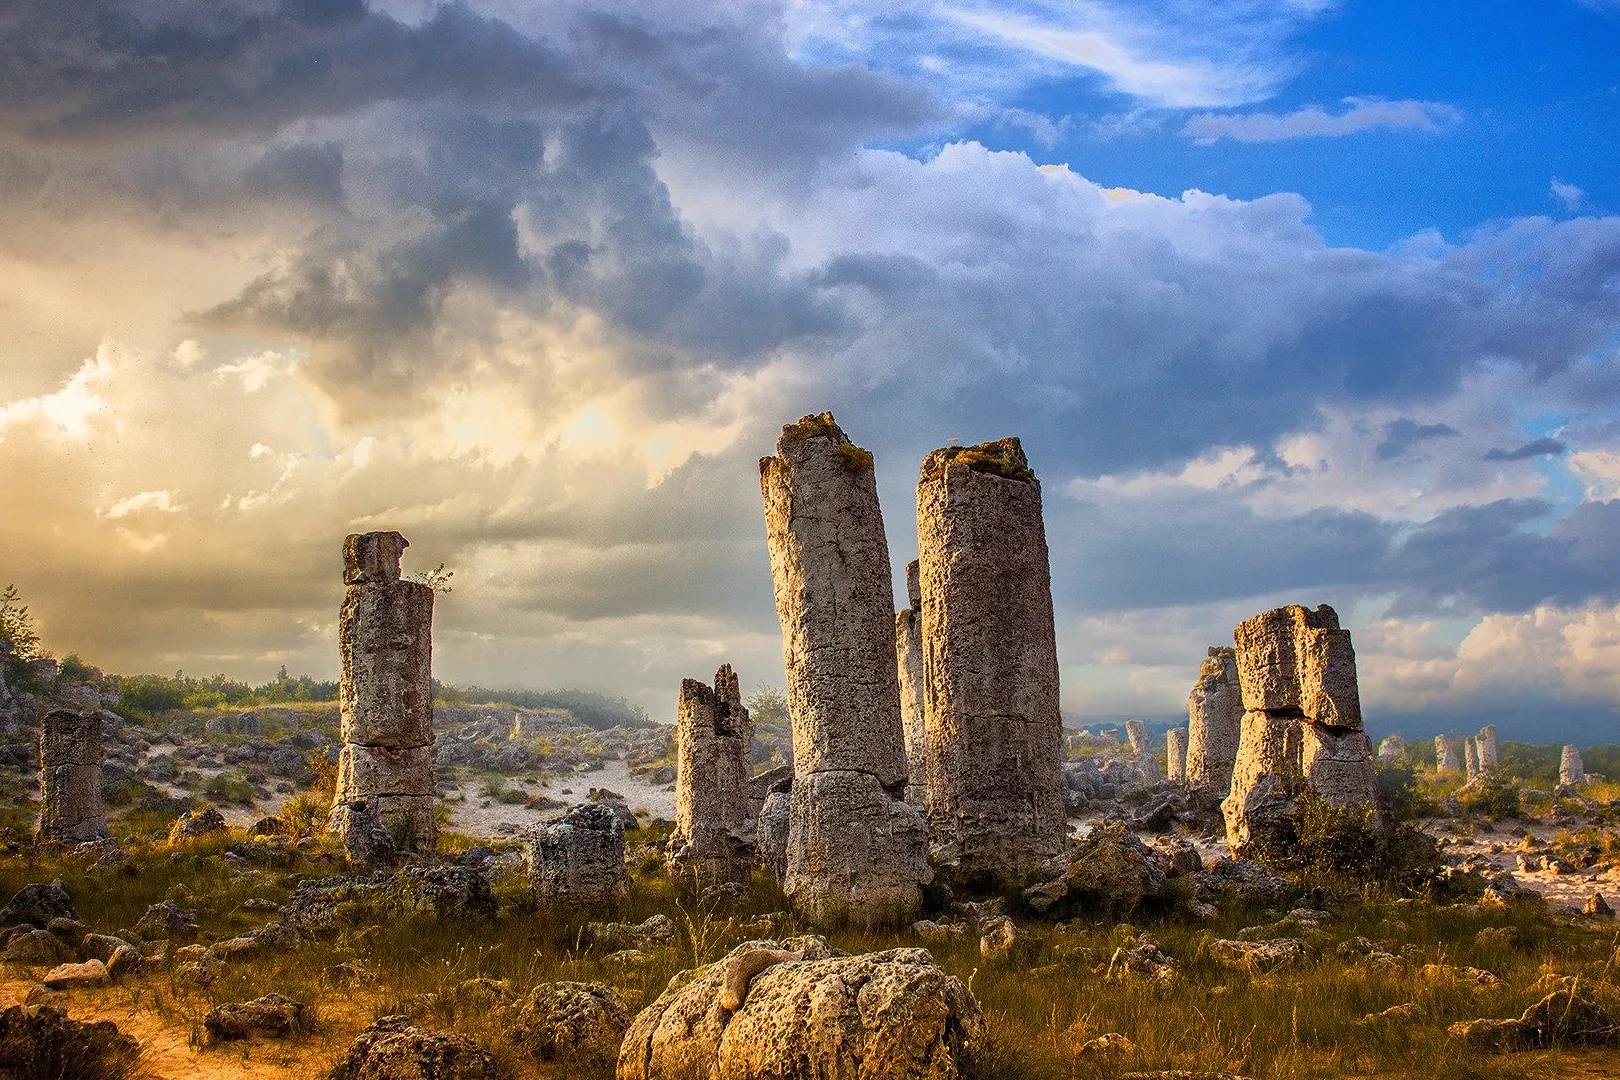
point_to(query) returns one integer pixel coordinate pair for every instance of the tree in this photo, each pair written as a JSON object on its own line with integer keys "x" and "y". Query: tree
{"x": 17, "y": 626}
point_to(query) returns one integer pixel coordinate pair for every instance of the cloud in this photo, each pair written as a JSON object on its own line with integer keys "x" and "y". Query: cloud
{"x": 1313, "y": 121}
{"x": 1535, "y": 448}
{"x": 1571, "y": 196}
{"x": 1402, "y": 434}
{"x": 162, "y": 502}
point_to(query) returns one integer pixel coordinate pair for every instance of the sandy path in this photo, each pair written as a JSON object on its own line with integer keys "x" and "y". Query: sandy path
{"x": 474, "y": 814}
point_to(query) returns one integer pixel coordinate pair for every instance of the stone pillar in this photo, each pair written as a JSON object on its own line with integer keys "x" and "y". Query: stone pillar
{"x": 856, "y": 851}
{"x": 70, "y": 807}
{"x": 1297, "y": 670}
{"x": 1447, "y": 754}
{"x": 1571, "y": 770}
{"x": 995, "y": 729}
{"x": 1392, "y": 747}
{"x": 385, "y": 638}
{"x": 1137, "y": 732}
{"x": 909, "y": 653}
{"x": 1485, "y": 745}
{"x": 1214, "y": 721}
{"x": 1175, "y": 741}
{"x": 715, "y": 823}
{"x": 579, "y": 859}
{"x": 1470, "y": 757}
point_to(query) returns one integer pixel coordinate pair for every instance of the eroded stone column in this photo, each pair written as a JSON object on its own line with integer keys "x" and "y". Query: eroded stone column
{"x": 1447, "y": 753}
{"x": 715, "y": 824}
{"x": 1470, "y": 757}
{"x": 1571, "y": 770}
{"x": 1136, "y": 731}
{"x": 856, "y": 851}
{"x": 1214, "y": 721}
{"x": 70, "y": 807}
{"x": 1175, "y": 742}
{"x": 1297, "y": 670}
{"x": 1392, "y": 747}
{"x": 1485, "y": 747}
{"x": 994, "y": 728}
{"x": 913, "y": 709}
{"x": 385, "y": 638}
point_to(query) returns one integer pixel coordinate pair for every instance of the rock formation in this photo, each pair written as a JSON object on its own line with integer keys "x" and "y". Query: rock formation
{"x": 1485, "y": 747}
{"x": 1297, "y": 670}
{"x": 1571, "y": 770}
{"x": 385, "y": 639}
{"x": 798, "y": 1010}
{"x": 913, "y": 708}
{"x": 1392, "y": 747}
{"x": 1470, "y": 758}
{"x": 857, "y": 851}
{"x": 714, "y": 819}
{"x": 1447, "y": 754}
{"x": 1175, "y": 743}
{"x": 70, "y": 807}
{"x": 1136, "y": 731}
{"x": 995, "y": 732}
{"x": 579, "y": 858}
{"x": 1214, "y": 721}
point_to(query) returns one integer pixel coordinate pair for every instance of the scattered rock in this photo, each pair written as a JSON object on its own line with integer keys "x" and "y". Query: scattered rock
{"x": 446, "y": 889}
{"x": 76, "y": 976}
{"x": 1566, "y": 1017}
{"x": 166, "y": 920}
{"x": 38, "y": 904}
{"x": 38, "y": 1042}
{"x": 1259, "y": 957}
{"x": 571, "y": 1022}
{"x": 196, "y": 823}
{"x": 1596, "y": 907}
{"x": 271, "y": 1015}
{"x": 998, "y": 938}
{"x": 1141, "y": 958}
{"x": 392, "y": 1049}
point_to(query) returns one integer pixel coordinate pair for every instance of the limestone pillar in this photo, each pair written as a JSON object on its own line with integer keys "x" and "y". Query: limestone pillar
{"x": 1392, "y": 747}
{"x": 1136, "y": 731}
{"x": 1571, "y": 770}
{"x": 385, "y": 639}
{"x": 70, "y": 807}
{"x": 856, "y": 851}
{"x": 1175, "y": 741}
{"x": 994, "y": 727}
{"x": 1470, "y": 757}
{"x": 1485, "y": 746}
{"x": 1214, "y": 721}
{"x": 909, "y": 654}
{"x": 1297, "y": 671}
{"x": 1447, "y": 754}
{"x": 715, "y": 824}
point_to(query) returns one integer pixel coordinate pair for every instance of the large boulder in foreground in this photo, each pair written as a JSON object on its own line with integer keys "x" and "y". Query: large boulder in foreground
{"x": 39, "y": 1041}
{"x": 392, "y": 1049}
{"x": 799, "y": 1010}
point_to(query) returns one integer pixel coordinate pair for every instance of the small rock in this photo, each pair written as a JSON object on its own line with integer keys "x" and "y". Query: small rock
{"x": 1112, "y": 1044}
{"x": 998, "y": 938}
{"x": 580, "y": 1023}
{"x": 1259, "y": 956}
{"x": 100, "y": 946}
{"x": 196, "y": 823}
{"x": 76, "y": 976}
{"x": 38, "y": 904}
{"x": 33, "y": 947}
{"x": 1598, "y": 908}
{"x": 167, "y": 920}
{"x": 392, "y": 1049}
{"x": 33, "y": 1036}
{"x": 271, "y": 1015}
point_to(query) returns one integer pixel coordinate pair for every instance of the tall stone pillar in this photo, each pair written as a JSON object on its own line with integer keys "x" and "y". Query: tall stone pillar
{"x": 1447, "y": 754}
{"x": 1571, "y": 770}
{"x": 909, "y": 654}
{"x": 70, "y": 807}
{"x": 857, "y": 852}
{"x": 1297, "y": 670}
{"x": 995, "y": 730}
{"x": 1214, "y": 721}
{"x": 1175, "y": 743}
{"x": 715, "y": 825}
{"x": 1470, "y": 757}
{"x": 1136, "y": 731}
{"x": 1485, "y": 748}
{"x": 385, "y": 638}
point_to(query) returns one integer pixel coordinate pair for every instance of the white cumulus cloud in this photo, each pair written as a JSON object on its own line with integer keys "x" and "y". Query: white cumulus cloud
{"x": 1313, "y": 121}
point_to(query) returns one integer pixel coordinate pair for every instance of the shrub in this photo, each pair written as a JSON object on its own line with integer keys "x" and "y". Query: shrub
{"x": 1350, "y": 845}
{"x": 1496, "y": 796}
{"x": 305, "y": 815}
{"x": 1398, "y": 787}
{"x": 229, "y": 787}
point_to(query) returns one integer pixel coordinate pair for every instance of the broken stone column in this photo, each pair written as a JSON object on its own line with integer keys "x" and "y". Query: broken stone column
{"x": 1485, "y": 746}
{"x": 1571, "y": 770}
{"x": 995, "y": 730}
{"x": 70, "y": 807}
{"x": 1447, "y": 753}
{"x": 1297, "y": 670}
{"x": 857, "y": 852}
{"x": 1137, "y": 732}
{"x": 385, "y": 639}
{"x": 579, "y": 858}
{"x": 1470, "y": 758}
{"x": 1214, "y": 721}
{"x": 1175, "y": 742}
{"x": 909, "y": 653}
{"x": 715, "y": 823}
{"x": 1392, "y": 747}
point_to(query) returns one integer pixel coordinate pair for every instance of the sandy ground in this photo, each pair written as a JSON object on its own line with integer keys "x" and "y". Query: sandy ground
{"x": 1560, "y": 890}
{"x": 473, "y": 813}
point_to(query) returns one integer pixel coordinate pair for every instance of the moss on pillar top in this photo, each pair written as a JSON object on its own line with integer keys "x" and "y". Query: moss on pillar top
{"x": 1004, "y": 458}
{"x": 823, "y": 426}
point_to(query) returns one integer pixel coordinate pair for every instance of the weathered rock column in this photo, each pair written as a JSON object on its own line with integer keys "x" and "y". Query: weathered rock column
{"x": 1297, "y": 669}
{"x": 913, "y": 708}
{"x": 1175, "y": 743}
{"x": 1470, "y": 758}
{"x": 715, "y": 824}
{"x": 857, "y": 852}
{"x": 385, "y": 638}
{"x": 1214, "y": 721}
{"x": 1136, "y": 731}
{"x": 995, "y": 730}
{"x": 1447, "y": 754}
{"x": 1392, "y": 747}
{"x": 1571, "y": 770}
{"x": 1485, "y": 747}
{"x": 70, "y": 807}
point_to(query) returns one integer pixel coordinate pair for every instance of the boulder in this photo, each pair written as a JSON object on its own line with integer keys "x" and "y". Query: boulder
{"x": 196, "y": 823}
{"x": 1259, "y": 957}
{"x": 367, "y": 844}
{"x": 36, "y": 947}
{"x": 800, "y": 1011}
{"x": 166, "y": 920}
{"x": 571, "y": 1022}
{"x": 271, "y": 1015}
{"x": 446, "y": 889}
{"x": 38, "y": 904}
{"x": 76, "y": 976}
{"x": 998, "y": 938}
{"x": 1565, "y": 1016}
{"x": 392, "y": 1049}
{"x": 40, "y": 1041}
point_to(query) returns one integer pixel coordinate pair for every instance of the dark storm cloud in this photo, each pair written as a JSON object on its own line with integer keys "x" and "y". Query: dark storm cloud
{"x": 1533, "y": 449}
{"x": 1403, "y": 434}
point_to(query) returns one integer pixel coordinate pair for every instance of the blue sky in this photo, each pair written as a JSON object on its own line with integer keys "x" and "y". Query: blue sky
{"x": 1292, "y": 301}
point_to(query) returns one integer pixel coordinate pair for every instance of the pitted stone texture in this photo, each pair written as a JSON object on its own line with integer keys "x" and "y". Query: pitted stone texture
{"x": 1470, "y": 758}
{"x": 1214, "y": 721}
{"x": 1338, "y": 765}
{"x": 715, "y": 825}
{"x": 580, "y": 858}
{"x": 1485, "y": 742}
{"x": 1175, "y": 742}
{"x": 1136, "y": 732}
{"x": 1571, "y": 770}
{"x": 1259, "y": 777}
{"x": 367, "y": 846}
{"x": 1295, "y": 659}
{"x": 70, "y": 751}
{"x": 913, "y": 703}
{"x": 856, "y": 854}
{"x": 834, "y": 597}
{"x": 1392, "y": 747}
{"x": 775, "y": 819}
{"x": 994, "y": 729}
{"x": 878, "y": 1016}
{"x": 385, "y": 642}
{"x": 1448, "y": 753}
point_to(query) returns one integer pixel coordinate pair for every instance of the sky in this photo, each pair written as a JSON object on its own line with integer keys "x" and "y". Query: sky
{"x": 1301, "y": 301}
